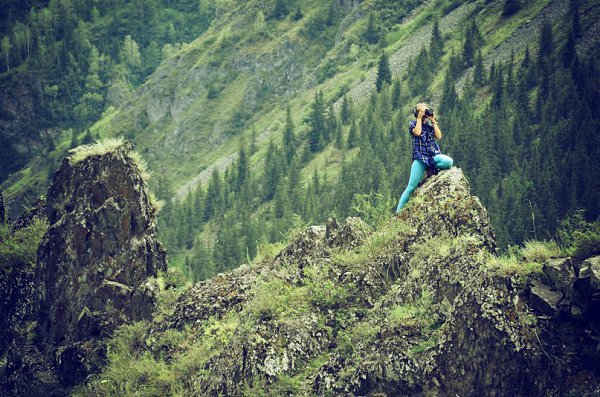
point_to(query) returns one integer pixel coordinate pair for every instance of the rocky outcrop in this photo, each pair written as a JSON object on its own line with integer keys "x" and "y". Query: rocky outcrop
{"x": 93, "y": 271}
{"x": 406, "y": 310}
{"x": 410, "y": 309}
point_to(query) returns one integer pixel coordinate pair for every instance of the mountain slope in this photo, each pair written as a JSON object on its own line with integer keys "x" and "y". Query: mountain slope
{"x": 226, "y": 92}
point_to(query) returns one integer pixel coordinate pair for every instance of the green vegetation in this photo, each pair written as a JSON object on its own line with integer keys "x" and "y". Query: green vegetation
{"x": 103, "y": 147}
{"x": 292, "y": 153}
{"x": 20, "y": 247}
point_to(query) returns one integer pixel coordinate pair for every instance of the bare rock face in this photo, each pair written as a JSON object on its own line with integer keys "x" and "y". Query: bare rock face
{"x": 93, "y": 269}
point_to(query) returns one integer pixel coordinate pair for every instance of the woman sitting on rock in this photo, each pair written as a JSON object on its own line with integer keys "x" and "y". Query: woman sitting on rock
{"x": 425, "y": 150}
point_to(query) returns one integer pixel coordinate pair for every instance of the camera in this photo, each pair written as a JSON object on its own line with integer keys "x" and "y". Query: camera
{"x": 428, "y": 112}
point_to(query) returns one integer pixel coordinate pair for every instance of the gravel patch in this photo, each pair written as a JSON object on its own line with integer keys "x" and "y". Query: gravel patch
{"x": 399, "y": 59}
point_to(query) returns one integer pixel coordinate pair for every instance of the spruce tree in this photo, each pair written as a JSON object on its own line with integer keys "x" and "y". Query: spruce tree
{"x": 281, "y": 9}
{"x": 242, "y": 168}
{"x": 396, "y": 94}
{"x": 546, "y": 43}
{"x": 384, "y": 73}
{"x": 511, "y": 7}
{"x": 371, "y": 34}
{"x": 346, "y": 112}
{"x": 289, "y": 139}
{"x": 317, "y": 123}
{"x": 437, "y": 42}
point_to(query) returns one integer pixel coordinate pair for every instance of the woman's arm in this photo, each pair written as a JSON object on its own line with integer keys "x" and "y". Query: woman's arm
{"x": 418, "y": 128}
{"x": 437, "y": 133}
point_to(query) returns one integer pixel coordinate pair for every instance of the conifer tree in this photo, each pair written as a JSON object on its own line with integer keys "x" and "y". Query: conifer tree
{"x": 478, "y": 74}
{"x": 346, "y": 112}
{"x": 546, "y": 43}
{"x": 289, "y": 139}
{"x": 396, "y": 94}
{"x": 449, "y": 96}
{"x": 213, "y": 196}
{"x": 371, "y": 34}
{"x": 511, "y": 7}
{"x": 242, "y": 168}
{"x": 331, "y": 14}
{"x": 317, "y": 123}
{"x": 353, "y": 136}
{"x": 384, "y": 74}
{"x": 281, "y": 9}
{"x": 437, "y": 42}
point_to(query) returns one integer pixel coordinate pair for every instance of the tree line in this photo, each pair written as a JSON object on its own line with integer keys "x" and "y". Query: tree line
{"x": 528, "y": 152}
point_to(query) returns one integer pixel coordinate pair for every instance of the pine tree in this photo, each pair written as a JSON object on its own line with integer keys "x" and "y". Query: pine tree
{"x": 331, "y": 14}
{"x": 478, "y": 74}
{"x": 568, "y": 53}
{"x": 437, "y": 42}
{"x": 281, "y": 9}
{"x": 317, "y": 123}
{"x": 371, "y": 34}
{"x": 511, "y": 7}
{"x": 546, "y": 43}
{"x": 396, "y": 94}
{"x": 468, "y": 54}
{"x": 242, "y": 168}
{"x": 575, "y": 25}
{"x": 272, "y": 171}
{"x": 289, "y": 139}
{"x": 353, "y": 135}
{"x": 449, "y": 96}
{"x": 212, "y": 205}
{"x": 384, "y": 74}
{"x": 346, "y": 112}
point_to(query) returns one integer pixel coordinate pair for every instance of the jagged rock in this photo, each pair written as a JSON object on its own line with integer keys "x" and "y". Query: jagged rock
{"x": 36, "y": 212}
{"x": 588, "y": 287}
{"x": 444, "y": 204}
{"x": 473, "y": 310}
{"x": 543, "y": 299}
{"x": 350, "y": 235}
{"x": 93, "y": 267}
{"x": 561, "y": 274}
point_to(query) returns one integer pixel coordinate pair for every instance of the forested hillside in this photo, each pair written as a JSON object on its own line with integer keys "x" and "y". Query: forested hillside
{"x": 275, "y": 113}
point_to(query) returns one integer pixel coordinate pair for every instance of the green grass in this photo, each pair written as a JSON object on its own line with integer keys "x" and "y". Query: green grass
{"x": 100, "y": 148}
{"x": 21, "y": 246}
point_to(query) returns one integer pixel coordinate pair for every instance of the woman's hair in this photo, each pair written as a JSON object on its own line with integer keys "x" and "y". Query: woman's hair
{"x": 415, "y": 112}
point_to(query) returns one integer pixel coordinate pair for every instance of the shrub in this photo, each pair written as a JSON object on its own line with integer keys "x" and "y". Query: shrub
{"x": 21, "y": 246}
{"x": 538, "y": 251}
{"x": 579, "y": 238}
{"x": 373, "y": 207}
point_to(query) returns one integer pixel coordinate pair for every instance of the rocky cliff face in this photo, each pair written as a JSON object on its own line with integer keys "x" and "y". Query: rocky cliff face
{"x": 410, "y": 309}
{"x": 92, "y": 274}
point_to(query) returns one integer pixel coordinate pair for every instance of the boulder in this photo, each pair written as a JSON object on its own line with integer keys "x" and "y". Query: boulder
{"x": 561, "y": 274}
{"x": 588, "y": 287}
{"x": 95, "y": 266}
{"x": 543, "y": 299}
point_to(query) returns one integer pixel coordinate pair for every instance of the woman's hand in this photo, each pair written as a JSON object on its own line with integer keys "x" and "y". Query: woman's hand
{"x": 421, "y": 113}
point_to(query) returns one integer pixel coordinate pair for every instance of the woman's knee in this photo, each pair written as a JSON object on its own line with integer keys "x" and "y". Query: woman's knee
{"x": 443, "y": 162}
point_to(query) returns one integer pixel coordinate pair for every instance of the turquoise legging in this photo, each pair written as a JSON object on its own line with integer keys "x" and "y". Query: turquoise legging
{"x": 417, "y": 170}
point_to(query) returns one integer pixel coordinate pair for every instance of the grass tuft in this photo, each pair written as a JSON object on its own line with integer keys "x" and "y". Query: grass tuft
{"x": 538, "y": 251}
{"x": 99, "y": 148}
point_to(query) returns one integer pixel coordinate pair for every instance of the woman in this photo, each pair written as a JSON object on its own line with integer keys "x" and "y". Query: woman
{"x": 425, "y": 150}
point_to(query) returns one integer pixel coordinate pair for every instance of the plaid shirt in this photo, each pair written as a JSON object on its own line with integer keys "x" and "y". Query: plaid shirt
{"x": 424, "y": 147}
